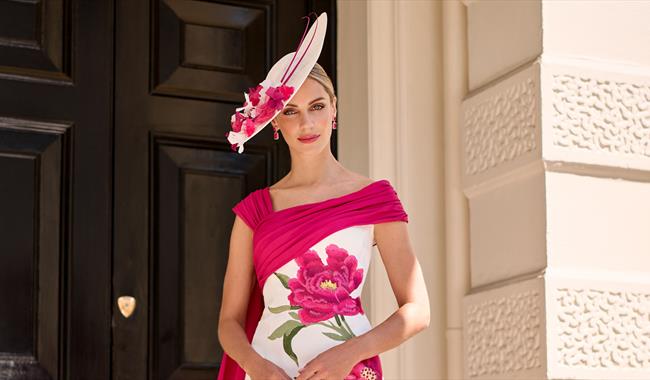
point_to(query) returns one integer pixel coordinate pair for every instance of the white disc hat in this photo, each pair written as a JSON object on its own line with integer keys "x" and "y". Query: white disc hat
{"x": 266, "y": 100}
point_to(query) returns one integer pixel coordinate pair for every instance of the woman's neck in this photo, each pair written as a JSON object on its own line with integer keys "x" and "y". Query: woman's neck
{"x": 311, "y": 170}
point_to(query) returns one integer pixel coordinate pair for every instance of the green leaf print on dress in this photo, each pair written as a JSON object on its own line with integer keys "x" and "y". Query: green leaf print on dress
{"x": 320, "y": 292}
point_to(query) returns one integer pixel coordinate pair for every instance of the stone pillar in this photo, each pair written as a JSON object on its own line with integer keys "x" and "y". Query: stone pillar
{"x": 391, "y": 127}
{"x": 556, "y": 167}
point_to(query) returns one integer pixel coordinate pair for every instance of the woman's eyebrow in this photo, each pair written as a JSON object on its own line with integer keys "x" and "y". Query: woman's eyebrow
{"x": 315, "y": 100}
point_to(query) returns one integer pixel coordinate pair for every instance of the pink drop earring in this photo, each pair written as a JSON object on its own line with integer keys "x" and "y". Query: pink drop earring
{"x": 334, "y": 123}
{"x": 276, "y": 136}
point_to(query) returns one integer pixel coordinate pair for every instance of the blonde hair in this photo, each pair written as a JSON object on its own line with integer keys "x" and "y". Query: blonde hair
{"x": 318, "y": 74}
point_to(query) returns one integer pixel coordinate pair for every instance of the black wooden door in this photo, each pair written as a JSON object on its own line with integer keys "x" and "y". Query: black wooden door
{"x": 116, "y": 179}
{"x": 180, "y": 70}
{"x": 56, "y": 72}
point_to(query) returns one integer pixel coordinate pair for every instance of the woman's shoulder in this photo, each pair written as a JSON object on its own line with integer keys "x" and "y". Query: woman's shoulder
{"x": 252, "y": 208}
{"x": 253, "y": 197}
{"x": 365, "y": 181}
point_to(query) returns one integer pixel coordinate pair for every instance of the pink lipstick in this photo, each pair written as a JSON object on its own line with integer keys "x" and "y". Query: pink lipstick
{"x": 309, "y": 139}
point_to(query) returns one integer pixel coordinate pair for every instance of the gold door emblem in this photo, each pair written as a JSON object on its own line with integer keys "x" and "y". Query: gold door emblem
{"x": 126, "y": 305}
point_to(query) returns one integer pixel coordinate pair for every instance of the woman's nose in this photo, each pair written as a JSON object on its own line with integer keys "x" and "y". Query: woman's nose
{"x": 306, "y": 120}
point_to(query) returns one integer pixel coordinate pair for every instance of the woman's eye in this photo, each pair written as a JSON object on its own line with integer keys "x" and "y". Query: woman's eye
{"x": 291, "y": 112}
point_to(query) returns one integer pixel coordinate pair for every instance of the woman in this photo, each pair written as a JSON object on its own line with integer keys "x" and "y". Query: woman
{"x": 303, "y": 246}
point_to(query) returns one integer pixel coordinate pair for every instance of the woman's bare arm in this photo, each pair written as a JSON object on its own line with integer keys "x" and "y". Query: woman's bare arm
{"x": 234, "y": 303}
{"x": 408, "y": 284}
{"x": 406, "y": 279}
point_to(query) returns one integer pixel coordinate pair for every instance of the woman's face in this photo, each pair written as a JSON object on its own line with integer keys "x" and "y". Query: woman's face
{"x": 309, "y": 113}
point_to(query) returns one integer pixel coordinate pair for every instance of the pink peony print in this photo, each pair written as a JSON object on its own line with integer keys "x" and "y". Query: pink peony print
{"x": 369, "y": 369}
{"x": 323, "y": 291}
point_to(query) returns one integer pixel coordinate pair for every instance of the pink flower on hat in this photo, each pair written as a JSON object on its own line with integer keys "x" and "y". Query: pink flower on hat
{"x": 254, "y": 94}
{"x": 237, "y": 121}
{"x": 264, "y": 113}
{"x": 324, "y": 290}
{"x": 277, "y": 96}
{"x": 249, "y": 127}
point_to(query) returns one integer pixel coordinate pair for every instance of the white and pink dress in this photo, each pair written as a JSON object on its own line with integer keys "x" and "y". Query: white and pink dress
{"x": 311, "y": 262}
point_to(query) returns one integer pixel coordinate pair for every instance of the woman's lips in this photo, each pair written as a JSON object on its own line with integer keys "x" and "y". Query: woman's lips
{"x": 308, "y": 140}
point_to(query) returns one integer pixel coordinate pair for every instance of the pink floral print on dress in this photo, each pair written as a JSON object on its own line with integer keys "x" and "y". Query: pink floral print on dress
{"x": 369, "y": 369}
{"x": 323, "y": 291}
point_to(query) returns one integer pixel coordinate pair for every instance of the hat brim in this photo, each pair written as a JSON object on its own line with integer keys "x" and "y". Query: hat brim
{"x": 297, "y": 70}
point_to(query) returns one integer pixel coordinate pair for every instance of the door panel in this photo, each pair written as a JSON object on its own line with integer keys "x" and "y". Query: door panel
{"x": 55, "y": 189}
{"x": 209, "y": 50}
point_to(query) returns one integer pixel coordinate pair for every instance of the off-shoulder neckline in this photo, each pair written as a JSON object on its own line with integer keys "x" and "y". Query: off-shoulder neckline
{"x": 269, "y": 201}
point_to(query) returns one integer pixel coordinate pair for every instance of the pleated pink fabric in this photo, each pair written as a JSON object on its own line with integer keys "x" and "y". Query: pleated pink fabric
{"x": 281, "y": 236}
